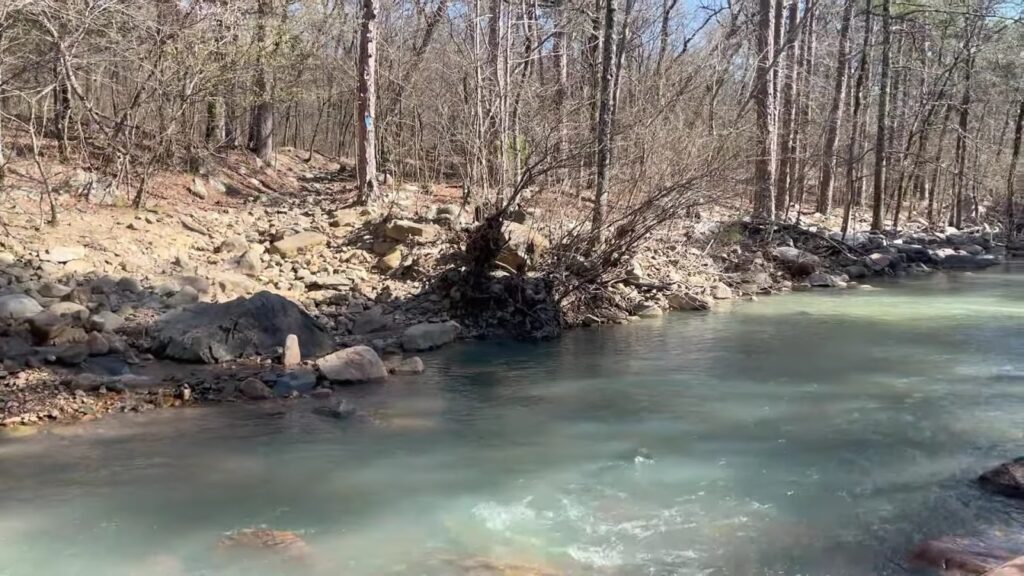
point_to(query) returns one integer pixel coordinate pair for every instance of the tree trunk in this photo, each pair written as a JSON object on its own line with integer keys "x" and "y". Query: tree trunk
{"x": 881, "y": 135}
{"x": 787, "y": 114}
{"x": 604, "y": 123}
{"x": 561, "y": 54}
{"x": 263, "y": 116}
{"x": 853, "y": 160}
{"x": 937, "y": 161}
{"x": 798, "y": 168}
{"x": 961, "y": 142}
{"x": 366, "y": 105}
{"x": 764, "y": 164}
{"x": 835, "y": 114}
{"x": 216, "y": 132}
{"x": 1011, "y": 220}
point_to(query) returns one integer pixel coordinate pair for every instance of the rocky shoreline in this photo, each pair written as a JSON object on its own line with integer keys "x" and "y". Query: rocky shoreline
{"x": 287, "y": 295}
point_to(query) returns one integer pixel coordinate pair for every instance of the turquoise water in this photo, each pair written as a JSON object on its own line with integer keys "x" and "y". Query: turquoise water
{"x": 807, "y": 434}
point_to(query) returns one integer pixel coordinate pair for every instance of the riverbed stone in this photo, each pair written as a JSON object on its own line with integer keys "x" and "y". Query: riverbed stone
{"x": 297, "y": 243}
{"x": 968, "y": 262}
{"x": 822, "y": 280}
{"x": 250, "y": 264}
{"x": 97, "y": 344}
{"x": 18, "y": 306}
{"x": 255, "y": 389}
{"x": 54, "y": 290}
{"x": 355, "y": 364}
{"x": 721, "y": 292}
{"x": 522, "y": 245}
{"x": 72, "y": 309}
{"x": 405, "y": 366}
{"x": 427, "y": 336}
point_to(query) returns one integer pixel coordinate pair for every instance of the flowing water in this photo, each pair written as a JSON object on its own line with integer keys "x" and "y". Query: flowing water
{"x": 807, "y": 434}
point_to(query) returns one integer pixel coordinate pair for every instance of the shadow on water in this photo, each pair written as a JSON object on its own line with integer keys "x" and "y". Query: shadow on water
{"x": 806, "y": 434}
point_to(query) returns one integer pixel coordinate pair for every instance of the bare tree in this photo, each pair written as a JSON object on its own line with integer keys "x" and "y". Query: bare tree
{"x": 835, "y": 113}
{"x": 881, "y": 132}
{"x": 366, "y": 135}
{"x": 764, "y": 104}
{"x": 1011, "y": 216}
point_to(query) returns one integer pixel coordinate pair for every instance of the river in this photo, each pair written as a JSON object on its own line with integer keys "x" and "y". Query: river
{"x": 808, "y": 434}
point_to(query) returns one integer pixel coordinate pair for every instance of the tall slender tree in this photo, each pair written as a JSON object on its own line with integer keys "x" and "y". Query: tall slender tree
{"x": 835, "y": 113}
{"x": 366, "y": 106}
{"x": 882, "y": 130}
{"x": 764, "y": 107}
{"x": 1011, "y": 209}
{"x": 604, "y": 122}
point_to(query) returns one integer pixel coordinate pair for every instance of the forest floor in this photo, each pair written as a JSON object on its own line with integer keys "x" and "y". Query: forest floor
{"x": 81, "y": 301}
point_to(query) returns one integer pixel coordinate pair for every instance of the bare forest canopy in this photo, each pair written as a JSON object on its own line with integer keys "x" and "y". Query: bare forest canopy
{"x": 643, "y": 110}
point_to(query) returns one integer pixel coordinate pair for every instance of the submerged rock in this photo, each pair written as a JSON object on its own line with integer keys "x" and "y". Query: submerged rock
{"x": 284, "y": 543}
{"x": 254, "y": 389}
{"x": 1006, "y": 479}
{"x": 241, "y": 328}
{"x": 969, "y": 555}
{"x": 684, "y": 301}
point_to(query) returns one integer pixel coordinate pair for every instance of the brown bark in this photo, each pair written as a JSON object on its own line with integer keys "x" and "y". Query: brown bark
{"x": 1011, "y": 219}
{"x": 960, "y": 156}
{"x": 604, "y": 122}
{"x": 263, "y": 116}
{"x": 853, "y": 160}
{"x": 764, "y": 163}
{"x": 835, "y": 113}
{"x": 881, "y": 134}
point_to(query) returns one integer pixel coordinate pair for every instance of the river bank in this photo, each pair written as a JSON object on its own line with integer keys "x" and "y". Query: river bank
{"x": 100, "y": 311}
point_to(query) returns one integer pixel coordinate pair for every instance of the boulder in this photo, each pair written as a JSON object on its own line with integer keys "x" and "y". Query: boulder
{"x": 46, "y": 325}
{"x": 301, "y": 242}
{"x": 292, "y": 354}
{"x": 973, "y": 249}
{"x": 370, "y": 321}
{"x": 427, "y": 336}
{"x": 73, "y": 354}
{"x": 522, "y": 245}
{"x": 18, "y": 307}
{"x": 70, "y": 309}
{"x": 721, "y": 292}
{"x": 686, "y": 301}
{"x": 97, "y": 344}
{"x": 233, "y": 245}
{"x": 391, "y": 260}
{"x": 406, "y": 366}
{"x": 878, "y": 261}
{"x": 1006, "y": 479}
{"x": 798, "y": 262}
{"x": 968, "y": 262}
{"x": 241, "y": 328}
{"x": 404, "y": 230}
{"x": 187, "y": 295}
{"x": 105, "y": 321}
{"x": 822, "y": 280}
{"x": 355, "y": 364}
{"x": 254, "y": 389}
{"x": 856, "y": 271}
{"x": 62, "y": 254}
{"x": 650, "y": 312}
{"x": 54, "y": 290}
{"x": 250, "y": 264}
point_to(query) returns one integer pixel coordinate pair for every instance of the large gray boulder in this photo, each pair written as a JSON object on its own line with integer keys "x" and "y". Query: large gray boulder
{"x": 355, "y": 364}
{"x": 18, "y": 307}
{"x": 428, "y": 336}
{"x": 241, "y": 328}
{"x": 968, "y": 262}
